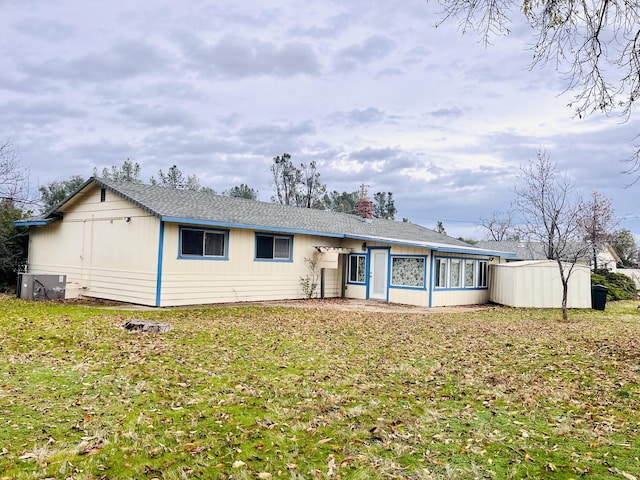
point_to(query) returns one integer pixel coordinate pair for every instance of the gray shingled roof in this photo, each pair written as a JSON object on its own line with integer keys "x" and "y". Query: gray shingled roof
{"x": 185, "y": 206}
{"x": 523, "y": 250}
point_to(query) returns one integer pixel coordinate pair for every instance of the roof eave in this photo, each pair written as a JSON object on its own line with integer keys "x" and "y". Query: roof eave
{"x": 34, "y": 222}
{"x": 243, "y": 226}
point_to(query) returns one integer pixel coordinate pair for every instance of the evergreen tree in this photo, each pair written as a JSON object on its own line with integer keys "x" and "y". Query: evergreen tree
{"x": 55, "y": 192}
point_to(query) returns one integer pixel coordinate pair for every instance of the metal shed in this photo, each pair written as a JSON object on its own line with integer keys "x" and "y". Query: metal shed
{"x": 537, "y": 284}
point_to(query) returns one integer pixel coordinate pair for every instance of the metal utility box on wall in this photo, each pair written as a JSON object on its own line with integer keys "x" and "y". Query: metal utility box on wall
{"x": 32, "y": 286}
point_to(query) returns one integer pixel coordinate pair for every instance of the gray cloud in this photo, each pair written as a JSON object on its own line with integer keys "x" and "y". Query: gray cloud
{"x": 38, "y": 112}
{"x": 239, "y": 57}
{"x": 375, "y": 154}
{"x": 122, "y": 61}
{"x": 332, "y": 27}
{"x": 44, "y": 29}
{"x": 374, "y": 48}
{"x": 447, "y": 113}
{"x": 359, "y": 116}
{"x": 158, "y": 116}
{"x": 275, "y": 138}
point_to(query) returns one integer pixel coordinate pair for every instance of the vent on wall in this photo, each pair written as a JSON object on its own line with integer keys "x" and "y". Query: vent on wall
{"x": 33, "y": 286}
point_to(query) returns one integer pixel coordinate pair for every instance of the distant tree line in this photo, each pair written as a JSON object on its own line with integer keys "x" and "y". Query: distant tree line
{"x": 298, "y": 186}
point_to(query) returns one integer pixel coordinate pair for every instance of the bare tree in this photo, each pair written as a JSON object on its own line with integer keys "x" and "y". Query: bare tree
{"x": 311, "y": 188}
{"x": 597, "y": 221}
{"x": 500, "y": 226}
{"x": 595, "y": 44}
{"x": 299, "y": 187}
{"x": 286, "y": 178}
{"x": 14, "y": 197}
{"x": 14, "y": 178}
{"x": 552, "y": 215}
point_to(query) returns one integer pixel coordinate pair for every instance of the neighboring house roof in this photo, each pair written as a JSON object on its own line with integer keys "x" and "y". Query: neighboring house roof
{"x": 203, "y": 208}
{"x": 522, "y": 250}
{"x": 612, "y": 252}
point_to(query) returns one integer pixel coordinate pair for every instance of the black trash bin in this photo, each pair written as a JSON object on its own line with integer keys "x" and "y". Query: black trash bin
{"x": 598, "y": 297}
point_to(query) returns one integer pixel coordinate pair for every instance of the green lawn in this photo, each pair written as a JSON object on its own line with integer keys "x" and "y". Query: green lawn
{"x": 271, "y": 392}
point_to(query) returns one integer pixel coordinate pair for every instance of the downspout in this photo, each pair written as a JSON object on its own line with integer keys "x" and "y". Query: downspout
{"x": 159, "y": 267}
{"x": 431, "y": 280}
{"x": 343, "y": 282}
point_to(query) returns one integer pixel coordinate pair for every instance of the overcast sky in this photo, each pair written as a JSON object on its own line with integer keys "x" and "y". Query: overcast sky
{"x": 371, "y": 91}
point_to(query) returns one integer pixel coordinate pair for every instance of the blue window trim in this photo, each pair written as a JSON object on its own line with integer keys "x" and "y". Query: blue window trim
{"x": 272, "y": 235}
{"x": 203, "y": 257}
{"x": 366, "y": 268}
{"x": 448, "y": 276}
{"x": 408, "y": 287}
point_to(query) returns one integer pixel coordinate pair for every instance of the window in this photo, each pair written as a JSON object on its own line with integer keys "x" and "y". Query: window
{"x": 482, "y": 273}
{"x": 456, "y": 273}
{"x": 469, "y": 273}
{"x": 199, "y": 242}
{"x": 441, "y": 272}
{"x": 460, "y": 273}
{"x": 357, "y": 268}
{"x": 103, "y": 194}
{"x": 407, "y": 271}
{"x": 273, "y": 247}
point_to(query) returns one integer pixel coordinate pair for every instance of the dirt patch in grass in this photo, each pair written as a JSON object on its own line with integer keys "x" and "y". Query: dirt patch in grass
{"x": 354, "y": 305}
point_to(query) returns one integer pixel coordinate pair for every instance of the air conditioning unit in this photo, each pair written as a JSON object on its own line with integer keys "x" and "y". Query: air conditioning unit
{"x": 34, "y": 286}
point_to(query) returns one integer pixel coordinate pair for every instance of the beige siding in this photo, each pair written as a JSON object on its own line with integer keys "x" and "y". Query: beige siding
{"x": 409, "y": 297}
{"x": 445, "y": 298}
{"x": 240, "y": 278}
{"x": 358, "y": 292}
{"x": 107, "y": 249}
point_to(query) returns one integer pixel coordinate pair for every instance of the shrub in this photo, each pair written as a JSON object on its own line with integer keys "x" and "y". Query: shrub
{"x": 620, "y": 286}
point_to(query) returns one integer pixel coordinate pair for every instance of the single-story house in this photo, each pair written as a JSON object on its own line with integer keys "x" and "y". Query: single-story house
{"x": 159, "y": 246}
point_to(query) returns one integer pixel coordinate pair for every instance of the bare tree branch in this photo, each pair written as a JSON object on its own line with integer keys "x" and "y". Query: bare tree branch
{"x": 595, "y": 44}
{"x": 14, "y": 178}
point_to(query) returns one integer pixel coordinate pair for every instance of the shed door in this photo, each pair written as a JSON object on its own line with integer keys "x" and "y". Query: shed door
{"x": 378, "y": 274}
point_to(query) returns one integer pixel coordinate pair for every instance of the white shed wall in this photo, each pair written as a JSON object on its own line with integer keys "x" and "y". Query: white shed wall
{"x": 538, "y": 285}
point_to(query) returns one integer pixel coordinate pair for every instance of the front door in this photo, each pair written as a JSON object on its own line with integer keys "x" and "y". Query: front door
{"x": 378, "y": 273}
